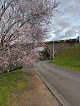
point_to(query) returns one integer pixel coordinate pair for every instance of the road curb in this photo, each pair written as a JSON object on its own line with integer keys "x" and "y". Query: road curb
{"x": 60, "y": 98}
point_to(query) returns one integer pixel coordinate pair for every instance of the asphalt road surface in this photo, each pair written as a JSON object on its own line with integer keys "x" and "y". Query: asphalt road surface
{"x": 66, "y": 82}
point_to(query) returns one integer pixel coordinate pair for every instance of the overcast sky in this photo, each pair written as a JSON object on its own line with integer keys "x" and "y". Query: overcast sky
{"x": 66, "y": 23}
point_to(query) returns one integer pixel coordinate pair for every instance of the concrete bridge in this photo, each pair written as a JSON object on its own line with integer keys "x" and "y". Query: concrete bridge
{"x": 54, "y": 48}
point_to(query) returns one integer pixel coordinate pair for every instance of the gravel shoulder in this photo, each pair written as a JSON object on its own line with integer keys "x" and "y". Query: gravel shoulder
{"x": 37, "y": 94}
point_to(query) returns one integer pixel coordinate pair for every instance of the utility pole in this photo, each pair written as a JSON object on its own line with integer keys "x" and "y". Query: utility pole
{"x": 79, "y": 36}
{"x": 53, "y": 50}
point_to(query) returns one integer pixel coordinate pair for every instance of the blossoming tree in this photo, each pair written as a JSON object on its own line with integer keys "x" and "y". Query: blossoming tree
{"x": 23, "y": 22}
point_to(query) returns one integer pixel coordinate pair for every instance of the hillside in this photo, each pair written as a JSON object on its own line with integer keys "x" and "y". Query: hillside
{"x": 69, "y": 58}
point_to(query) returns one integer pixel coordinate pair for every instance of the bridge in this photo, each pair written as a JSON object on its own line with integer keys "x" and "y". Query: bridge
{"x": 54, "y": 48}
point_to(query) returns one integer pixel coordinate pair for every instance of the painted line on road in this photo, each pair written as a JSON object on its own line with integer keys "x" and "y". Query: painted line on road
{"x": 60, "y": 98}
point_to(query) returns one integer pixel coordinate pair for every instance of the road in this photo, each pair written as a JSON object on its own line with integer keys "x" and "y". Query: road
{"x": 65, "y": 81}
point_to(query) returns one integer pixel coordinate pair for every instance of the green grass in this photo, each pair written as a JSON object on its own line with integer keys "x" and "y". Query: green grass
{"x": 15, "y": 81}
{"x": 69, "y": 58}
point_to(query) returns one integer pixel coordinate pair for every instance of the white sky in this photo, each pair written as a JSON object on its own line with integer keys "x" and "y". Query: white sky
{"x": 66, "y": 23}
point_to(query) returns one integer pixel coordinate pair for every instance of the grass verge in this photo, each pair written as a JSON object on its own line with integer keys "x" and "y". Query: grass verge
{"x": 69, "y": 58}
{"x": 13, "y": 82}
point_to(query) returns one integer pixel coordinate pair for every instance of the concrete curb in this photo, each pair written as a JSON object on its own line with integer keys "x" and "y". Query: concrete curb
{"x": 60, "y": 98}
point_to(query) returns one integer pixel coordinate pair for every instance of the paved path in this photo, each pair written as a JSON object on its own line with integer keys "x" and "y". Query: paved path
{"x": 66, "y": 82}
